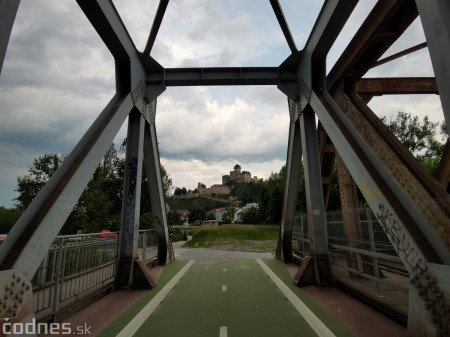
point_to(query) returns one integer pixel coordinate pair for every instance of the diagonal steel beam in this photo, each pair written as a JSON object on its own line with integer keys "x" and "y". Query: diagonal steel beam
{"x": 155, "y": 26}
{"x": 27, "y": 243}
{"x": 153, "y": 169}
{"x": 284, "y": 25}
{"x": 8, "y": 11}
{"x": 332, "y": 18}
{"x": 383, "y": 26}
{"x": 106, "y": 21}
{"x": 435, "y": 17}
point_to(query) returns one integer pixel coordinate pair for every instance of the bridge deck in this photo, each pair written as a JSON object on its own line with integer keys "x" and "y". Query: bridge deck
{"x": 235, "y": 297}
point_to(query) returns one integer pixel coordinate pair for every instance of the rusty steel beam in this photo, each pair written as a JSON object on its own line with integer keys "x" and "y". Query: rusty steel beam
{"x": 396, "y": 86}
{"x": 400, "y": 54}
{"x": 383, "y": 26}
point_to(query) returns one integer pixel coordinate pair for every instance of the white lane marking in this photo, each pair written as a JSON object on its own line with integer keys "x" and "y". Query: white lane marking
{"x": 224, "y": 269}
{"x": 224, "y": 288}
{"x": 133, "y": 326}
{"x": 223, "y": 331}
{"x": 316, "y": 324}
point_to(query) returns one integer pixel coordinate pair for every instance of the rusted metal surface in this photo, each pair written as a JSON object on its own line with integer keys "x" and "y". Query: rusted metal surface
{"x": 384, "y": 25}
{"x": 369, "y": 87}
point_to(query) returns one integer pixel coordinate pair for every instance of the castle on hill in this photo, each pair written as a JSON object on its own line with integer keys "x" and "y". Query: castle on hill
{"x": 235, "y": 176}
{"x": 239, "y": 177}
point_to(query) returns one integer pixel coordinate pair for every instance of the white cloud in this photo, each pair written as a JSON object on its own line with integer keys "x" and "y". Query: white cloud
{"x": 58, "y": 76}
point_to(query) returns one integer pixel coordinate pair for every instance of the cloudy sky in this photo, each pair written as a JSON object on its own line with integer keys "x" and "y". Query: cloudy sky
{"x": 58, "y": 76}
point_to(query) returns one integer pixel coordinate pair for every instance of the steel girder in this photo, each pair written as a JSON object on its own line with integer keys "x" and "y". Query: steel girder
{"x": 294, "y": 157}
{"x": 436, "y": 25}
{"x": 28, "y": 241}
{"x": 8, "y": 11}
{"x": 153, "y": 169}
{"x": 309, "y": 66}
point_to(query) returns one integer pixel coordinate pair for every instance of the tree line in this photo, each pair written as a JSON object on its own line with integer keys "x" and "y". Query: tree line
{"x": 100, "y": 205}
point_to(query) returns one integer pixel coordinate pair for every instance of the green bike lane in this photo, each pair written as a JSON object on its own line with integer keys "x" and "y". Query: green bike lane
{"x": 226, "y": 298}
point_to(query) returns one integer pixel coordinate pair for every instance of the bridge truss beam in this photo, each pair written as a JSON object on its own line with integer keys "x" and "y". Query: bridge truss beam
{"x": 416, "y": 227}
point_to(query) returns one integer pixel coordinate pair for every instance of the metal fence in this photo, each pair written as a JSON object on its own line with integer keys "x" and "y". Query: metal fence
{"x": 78, "y": 267}
{"x": 362, "y": 257}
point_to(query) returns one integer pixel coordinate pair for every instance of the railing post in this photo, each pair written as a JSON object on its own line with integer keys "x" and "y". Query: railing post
{"x": 376, "y": 269}
{"x": 57, "y": 278}
{"x": 144, "y": 246}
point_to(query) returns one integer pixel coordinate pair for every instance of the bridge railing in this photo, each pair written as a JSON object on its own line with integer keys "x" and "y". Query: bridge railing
{"x": 362, "y": 257}
{"x": 78, "y": 267}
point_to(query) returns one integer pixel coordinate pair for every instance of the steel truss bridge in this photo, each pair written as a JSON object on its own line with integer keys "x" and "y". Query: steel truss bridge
{"x": 411, "y": 205}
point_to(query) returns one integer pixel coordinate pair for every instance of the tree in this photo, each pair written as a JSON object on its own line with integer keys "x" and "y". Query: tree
{"x": 100, "y": 204}
{"x": 418, "y": 136}
{"x": 8, "y": 217}
{"x": 39, "y": 173}
{"x": 251, "y": 215}
{"x": 180, "y": 191}
{"x": 228, "y": 215}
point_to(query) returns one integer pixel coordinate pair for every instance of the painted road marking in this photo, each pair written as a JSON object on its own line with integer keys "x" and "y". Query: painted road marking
{"x": 224, "y": 288}
{"x": 315, "y": 323}
{"x": 224, "y": 269}
{"x": 206, "y": 267}
{"x": 223, "y": 331}
{"x": 133, "y": 326}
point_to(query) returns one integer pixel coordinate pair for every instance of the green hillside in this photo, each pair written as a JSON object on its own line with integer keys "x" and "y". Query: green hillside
{"x": 202, "y": 203}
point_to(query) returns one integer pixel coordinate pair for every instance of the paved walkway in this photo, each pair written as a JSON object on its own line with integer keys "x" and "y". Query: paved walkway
{"x": 222, "y": 293}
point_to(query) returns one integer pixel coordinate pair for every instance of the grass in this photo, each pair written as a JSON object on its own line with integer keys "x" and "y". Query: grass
{"x": 253, "y": 238}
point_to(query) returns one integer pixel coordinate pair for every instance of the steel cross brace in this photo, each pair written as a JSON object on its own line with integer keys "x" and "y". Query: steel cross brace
{"x": 29, "y": 240}
{"x": 423, "y": 253}
{"x": 309, "y": 67}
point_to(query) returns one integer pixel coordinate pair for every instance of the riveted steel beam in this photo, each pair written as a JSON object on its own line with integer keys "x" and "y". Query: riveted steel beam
{"x": 153, "y": 169}
{"x": 8, "y": 11}
{"x": 284, "y": 25}
{"x": 293, "y": 162}
{"x": 383, "y": 26}
{"x": 27, "y": 243}
{"x": 396, "y": 86}
{"x": 383, "y": 194}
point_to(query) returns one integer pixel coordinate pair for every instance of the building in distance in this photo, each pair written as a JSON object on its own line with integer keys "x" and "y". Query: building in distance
{"x": 236, "y": 176}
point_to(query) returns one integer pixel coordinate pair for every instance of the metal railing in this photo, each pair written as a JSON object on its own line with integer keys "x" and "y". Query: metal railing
{"x": 78, "y": 267}
{"x": 362, "y": 258}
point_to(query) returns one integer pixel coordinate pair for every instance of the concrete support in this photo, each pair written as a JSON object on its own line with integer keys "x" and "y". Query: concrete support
{"x": 293, "y": 162}
{"x": 317, "y": 269}
{"x": 153, "y": 170}
{"x": 8, "y": 11}
{"x": 129, "y": 272}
